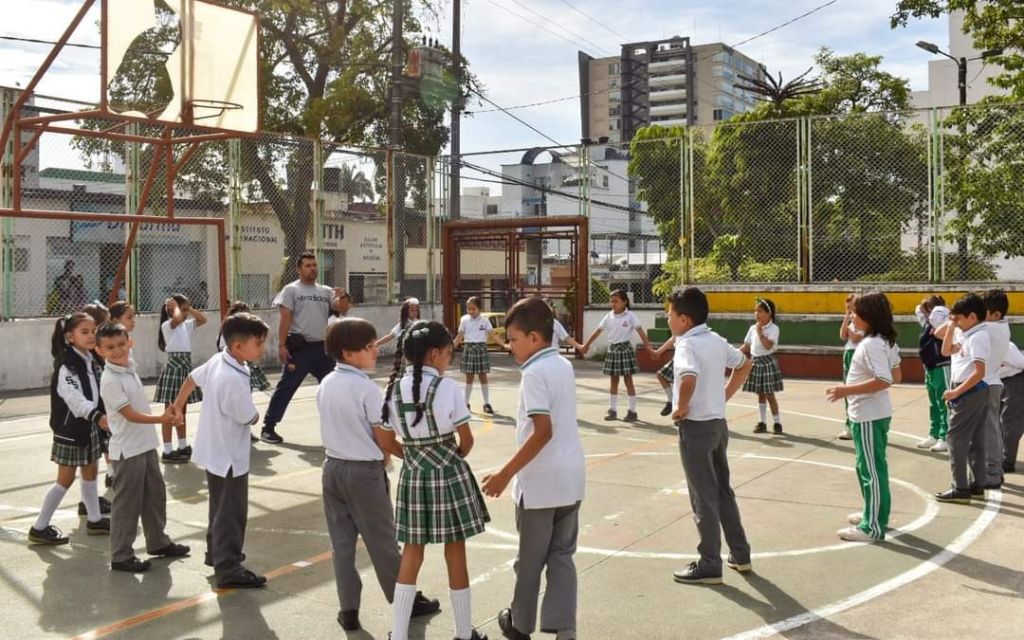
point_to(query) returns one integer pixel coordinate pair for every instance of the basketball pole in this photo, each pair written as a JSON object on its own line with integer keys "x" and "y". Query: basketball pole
{"x": 455, "y": 165}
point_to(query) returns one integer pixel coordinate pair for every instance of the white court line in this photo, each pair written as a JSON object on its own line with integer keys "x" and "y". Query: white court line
{"x": 956, "y": 547}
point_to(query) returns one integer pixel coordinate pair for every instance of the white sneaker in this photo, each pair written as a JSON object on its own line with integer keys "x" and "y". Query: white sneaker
{"x": 939, "y": 446}
{"x": 927, "y": 443}
{"x": 845, "y": 434}
{"x": 855, "y": 518}
{"x": 853, "y": 534}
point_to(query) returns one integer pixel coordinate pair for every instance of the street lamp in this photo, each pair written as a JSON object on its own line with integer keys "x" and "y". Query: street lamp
{"x": 961, "y": 64}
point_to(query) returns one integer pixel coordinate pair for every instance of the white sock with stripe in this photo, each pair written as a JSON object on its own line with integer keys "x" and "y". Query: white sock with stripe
{"x": 91, "y": 498}
{"x": 50, "y": 503}
{"x": 632, "y": 403}
{"x": 405, "y": 597}
{"x": 462, "y": 608}
{"x": 763, "y": 410}
{"x": 487, "y": 393}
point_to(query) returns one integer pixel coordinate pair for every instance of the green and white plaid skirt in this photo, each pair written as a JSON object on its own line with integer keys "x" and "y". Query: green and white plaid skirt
{"x": 765, "y": 375}
{"x": 438, "y": 499}
{"x": 668, "y": 371}
{"x": 620, "y": 360}
{"x": 179, "y": 365}
{"x": 71, "y": 456}
{"x": 257, "y": 379}
{"x": 475, "y": 358}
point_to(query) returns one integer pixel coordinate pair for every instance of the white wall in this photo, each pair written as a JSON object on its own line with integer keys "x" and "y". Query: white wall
{"x": 27, "y": 363}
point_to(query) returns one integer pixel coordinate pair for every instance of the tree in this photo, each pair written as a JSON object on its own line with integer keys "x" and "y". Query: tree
{"x": 776, "y": 91}
{"x": 325, "y": 75}
{"x": 355, "y": 184}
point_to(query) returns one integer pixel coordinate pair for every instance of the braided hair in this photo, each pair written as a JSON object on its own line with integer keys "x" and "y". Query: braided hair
{"x": 414, "y": 345}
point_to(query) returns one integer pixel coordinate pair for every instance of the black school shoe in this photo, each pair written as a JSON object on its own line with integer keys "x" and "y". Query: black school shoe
{"x": 957, "y": 496}
{"x": 51, "y": 535}
{"x": 104, "y": 507}
{"x": 476, "y": 635}
{"x": 693, "y": 574}
{"x": 269, "y": 435}
{"x": 508, "y": 629}
{"x": 98, "y": 528}
{"x": 742, "y": 567}
{"x": 174, "y": 457}
{"x": 978, "y": 493}
{"x": 667, "y": 409}
{"x": 488, "y": 409}
{"x": 424, "y": 606}
{"x": 761, "y": 428}
{"x": 1009, "y": 467}
{"x": 131, "y": 566}
{"x": 630, "y": 417}
{"x": 777, "y": 428}
{"x": 248, "y": 580}
{"x": 186, "y": 451}
{"x": 349, "y": 620}
{"x": 611, "y": 415}
{"x": 172, "y": 551}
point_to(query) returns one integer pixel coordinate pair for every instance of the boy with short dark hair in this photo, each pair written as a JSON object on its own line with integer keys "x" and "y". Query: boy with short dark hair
{"x": 139, "y": 489}
{"x": 968, "y": 343}
{"x": 549, "y": 474}
{"x": 222, "y": 444}
{"x": 699, "y": 396}
{"x": 997, "y": 305}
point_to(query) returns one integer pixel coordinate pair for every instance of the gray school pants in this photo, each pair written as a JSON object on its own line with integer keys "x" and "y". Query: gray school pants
{"x": 357, "y": 502}
{"x": 225, "y": 533}
{"x": 994, "y": 438}
{"x": 547, "y": 538}
{"x": 968, "y": 418}
{"x": 702, "y": 447}
{"x": 1012, "y": 417}
{"x": 139, "y": 492}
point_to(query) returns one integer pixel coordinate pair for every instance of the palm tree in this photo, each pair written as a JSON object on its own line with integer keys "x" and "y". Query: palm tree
{"x": 355, "y": 184}
{"x": 771, "y": 90}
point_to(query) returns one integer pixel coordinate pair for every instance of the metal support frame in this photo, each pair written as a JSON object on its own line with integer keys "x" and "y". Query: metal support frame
{"x": 235, "y": 214}
{"x": 319, "y": 206}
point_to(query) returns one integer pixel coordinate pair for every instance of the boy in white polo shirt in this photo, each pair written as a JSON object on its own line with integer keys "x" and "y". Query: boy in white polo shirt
{"x": 139, "y": 489}
{"x": 222, "y": 444}
{"x": 355, "y": 481}
{"x": 698, "y": 400}
{"x": 550, "y": 474}
{"x": 997, "y": 305}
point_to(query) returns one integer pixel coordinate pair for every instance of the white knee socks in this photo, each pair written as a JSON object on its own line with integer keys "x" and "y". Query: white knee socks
{"x": 632, "y": 403}
{"x": 486, "y": 392}
{"x": 469, "y": 391}
{"x": 405, "y": 597}
{"x": 613, "y": 402}
{"x": 91, "y": 498}
{"x": 50, "y": 503}
{"x": 763, "y": 409}
{"x": 463, "y": 610}
{"x": 668, "y": 393}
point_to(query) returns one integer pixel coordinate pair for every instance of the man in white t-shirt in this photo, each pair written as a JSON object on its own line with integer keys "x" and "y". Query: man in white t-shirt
{"x": 305, "y": 308}
{"x": 549, "y": 474}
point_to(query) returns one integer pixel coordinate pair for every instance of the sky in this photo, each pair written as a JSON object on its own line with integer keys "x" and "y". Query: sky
{"x": 511, "y": 48}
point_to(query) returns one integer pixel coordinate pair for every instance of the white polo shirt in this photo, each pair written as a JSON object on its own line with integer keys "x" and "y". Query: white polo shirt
{"x": 702, "y": 353}
{"x": 475, "y": 329}
{"x": 852, "y": 330}
{"x": 975, "y": 345}
{"x": 396, "y": 331}
{"x": 222, "y": 438}
{"x": 349, "y": 403}
{"x": 179, "y": 339}
{"x": 619, "y": 327}
{"x": 874, "y": 358}
{"x": 757, "y": 348}
{"x": 999, "y": 344}
{"x": 450, "y": 408}
{"x": 556, "y": 477}
{"x": 120, "y": 387}
{"x": 1013, "y": 364}
{"x": 558, "y": 333}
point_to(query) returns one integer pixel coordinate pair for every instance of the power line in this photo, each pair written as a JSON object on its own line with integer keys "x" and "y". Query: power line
{"x": 540, "y": 15}
{"x": 786, "y": 23}
{"x": 539, "y": 25}
{"x": 50, "y": 42}
{"x": 594, "y": 20}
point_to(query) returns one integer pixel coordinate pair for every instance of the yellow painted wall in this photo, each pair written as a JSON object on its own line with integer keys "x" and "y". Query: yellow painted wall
{"x": 819, "y": 302}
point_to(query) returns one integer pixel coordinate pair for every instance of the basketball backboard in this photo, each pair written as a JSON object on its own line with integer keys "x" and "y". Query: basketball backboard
{"x": 181, "y": 62}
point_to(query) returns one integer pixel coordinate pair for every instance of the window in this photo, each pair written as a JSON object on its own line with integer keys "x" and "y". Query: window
{"x": 491, "y": 210}
{"x": 614, "y": 82}
{"x": 615, "y": 110}
{"x": 614, "y": 125}
{"x": 615, "y": 96}
{"x": 604, "y": 181}
{"x": 722, "y": 114}
{"x": 614, "y": 69}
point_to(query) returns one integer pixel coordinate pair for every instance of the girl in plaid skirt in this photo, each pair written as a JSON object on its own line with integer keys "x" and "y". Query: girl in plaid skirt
{"x": 438, "y": 499}
{"x": 474, "y": 334}
{"x": 409, "y": 314}
{"x": 666, "y": 374}
{"x": 76, "y": 417}
{"x": 765, "y": 376}
{"x": 257, "y": 379}
{"x": 178, "y": 321}
{"x": 619, "y": 324}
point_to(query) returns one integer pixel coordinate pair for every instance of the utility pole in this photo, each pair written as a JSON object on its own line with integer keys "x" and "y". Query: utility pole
{"x": 397, "y": 71}
{"x": 456, "y": 159}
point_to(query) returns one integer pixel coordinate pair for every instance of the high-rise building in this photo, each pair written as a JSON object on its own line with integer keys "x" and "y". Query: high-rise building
{"x": 666, "y": 82}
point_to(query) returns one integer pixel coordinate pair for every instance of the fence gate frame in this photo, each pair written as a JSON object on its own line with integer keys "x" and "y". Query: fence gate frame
{"x": 513, "y": 233}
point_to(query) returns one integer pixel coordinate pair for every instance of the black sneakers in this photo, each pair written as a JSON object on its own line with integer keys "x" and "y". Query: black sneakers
{"x": 248, "y": 580}
{"x": 51, "y": 535}
{"x": 349, "y": 619}
{"x": 131, "y": 566}
{"x": 270, "y": 436}
{"x": 104, "y": 507}
{"x": 488, "y": 409}
{"x": 957, "y": 496}
{"x": 172, "y": 551}
{"x": 761, "y": 428}
{"x": 174, "y": 457}
{"x": 777, "y": 428}
{"x": 630, "y": 417}
{"x": 611, "y": 415}
{"x": 424, "y": 606}
{"x": 693, "y": 574}
{"x": 667, "y": 409}
{"x": 507, "y": 628}
{"x": 742, "y": 567}
{"x": 99, "y": 528}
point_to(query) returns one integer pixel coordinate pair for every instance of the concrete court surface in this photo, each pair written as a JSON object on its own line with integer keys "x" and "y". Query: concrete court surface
{"x": 950, "y": 571}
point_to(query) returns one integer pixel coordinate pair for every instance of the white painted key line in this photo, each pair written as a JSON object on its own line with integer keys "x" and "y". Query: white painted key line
{"x": 956, "y": 547}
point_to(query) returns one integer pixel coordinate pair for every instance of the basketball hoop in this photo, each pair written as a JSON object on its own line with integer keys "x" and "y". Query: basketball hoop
{"x": 220, "y": 106}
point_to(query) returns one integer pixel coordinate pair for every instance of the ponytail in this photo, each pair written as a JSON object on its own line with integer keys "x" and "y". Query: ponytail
{"x": 415, "y": 344}
{"x": 396, "y": 374}
{"x": 64, "y": 325}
